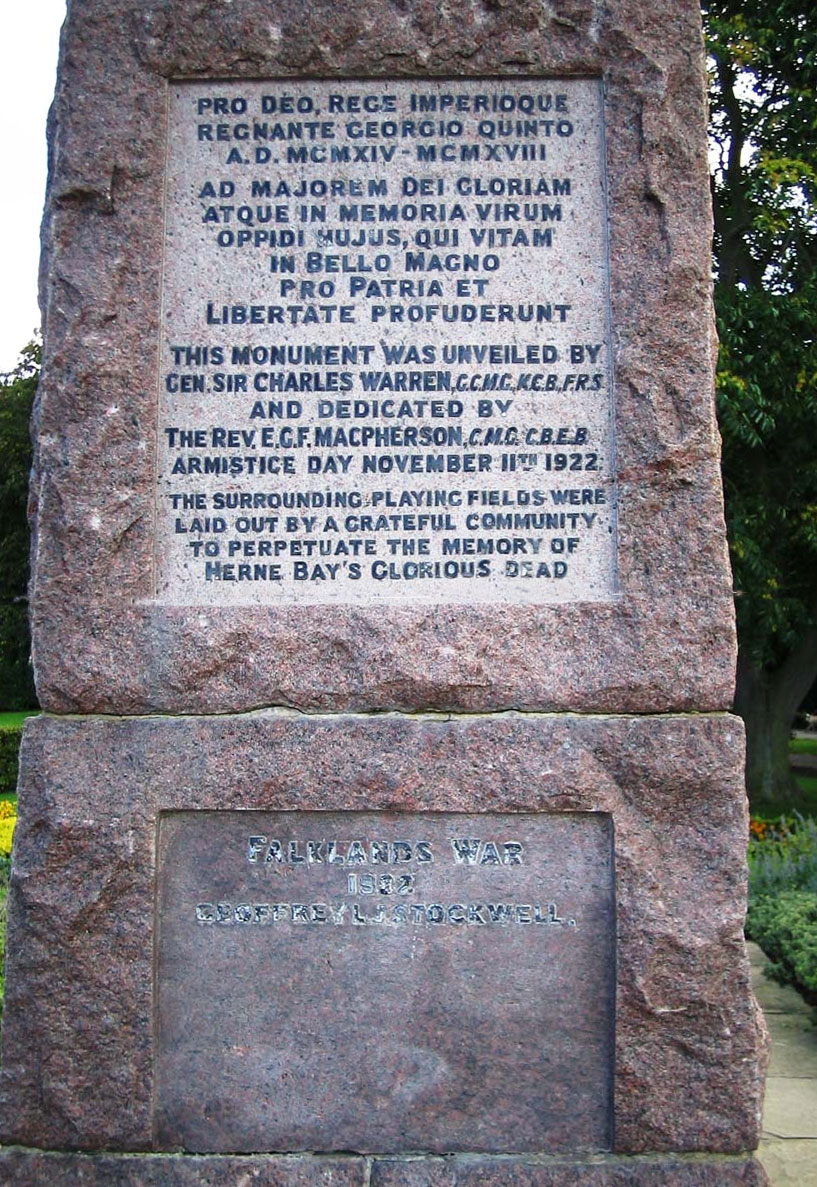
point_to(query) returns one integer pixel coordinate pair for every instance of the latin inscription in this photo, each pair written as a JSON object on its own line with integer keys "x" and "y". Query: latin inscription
{"x": 385, "y": 362}
{"x": 337, "y": 981}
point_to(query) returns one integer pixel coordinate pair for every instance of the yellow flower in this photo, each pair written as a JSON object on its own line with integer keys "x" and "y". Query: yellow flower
{"x": 6, "y": 809}
{"x": 7, "y": 824}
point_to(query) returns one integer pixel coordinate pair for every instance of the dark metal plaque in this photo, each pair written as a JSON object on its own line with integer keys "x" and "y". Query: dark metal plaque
{"x": 385, "y": 981}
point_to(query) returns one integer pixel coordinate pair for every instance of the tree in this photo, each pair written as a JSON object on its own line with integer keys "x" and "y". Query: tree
{"x": 16, "y": 399}
{"x": 763, "y": 56}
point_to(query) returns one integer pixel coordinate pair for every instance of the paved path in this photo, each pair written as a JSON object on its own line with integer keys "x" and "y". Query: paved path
{"x": 803, "y": 762}
{"x": 788, "y": 1148}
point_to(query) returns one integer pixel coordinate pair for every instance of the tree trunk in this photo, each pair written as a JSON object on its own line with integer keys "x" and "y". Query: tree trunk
{"x": 767, "y": 701}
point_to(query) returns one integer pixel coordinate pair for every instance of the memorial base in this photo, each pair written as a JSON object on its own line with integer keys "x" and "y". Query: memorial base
{"x": 31, "y": 1168}
{"x": 198, "y": 954}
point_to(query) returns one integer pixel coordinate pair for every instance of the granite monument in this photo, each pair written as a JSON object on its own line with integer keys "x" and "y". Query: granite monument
{"x": 385, "y": 823}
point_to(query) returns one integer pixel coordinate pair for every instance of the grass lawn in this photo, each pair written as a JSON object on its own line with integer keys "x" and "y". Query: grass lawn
{"x": 803, "y": 746}
{"x": 14, "y": 720}
{"x": 806, "y": 782}
{"x": 808, "y": 786}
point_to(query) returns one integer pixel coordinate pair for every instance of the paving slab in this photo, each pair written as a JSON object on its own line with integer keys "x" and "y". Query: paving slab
{"x": 789, "y": 1163}
{"x": 790, "y": 1110}
{"x": 792, "y": 1054}
{"x": 788, "y": 1146}
{"x": 773, "y": 997}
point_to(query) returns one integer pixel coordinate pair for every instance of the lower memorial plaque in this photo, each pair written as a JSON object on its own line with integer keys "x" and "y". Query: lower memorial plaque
{"x": 385, "y": 982}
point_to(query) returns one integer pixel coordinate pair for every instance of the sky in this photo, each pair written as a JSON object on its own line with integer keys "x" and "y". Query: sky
{"x": 29, "y": 40}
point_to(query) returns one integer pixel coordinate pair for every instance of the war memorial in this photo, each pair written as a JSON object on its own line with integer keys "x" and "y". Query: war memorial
{"x": 385, "y": 823}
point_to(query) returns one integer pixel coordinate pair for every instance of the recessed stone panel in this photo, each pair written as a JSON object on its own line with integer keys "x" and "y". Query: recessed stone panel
{"x": 385, "y": 981}
{"x": 386, "y": 365}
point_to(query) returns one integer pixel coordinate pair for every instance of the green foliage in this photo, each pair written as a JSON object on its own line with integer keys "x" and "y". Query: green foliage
{"x": 764, "y": 127}
{"x": 9, "y": 758}
{"x": 764, "y": 130}
{"x": 785, "y": 926}
{"x": 16, "y": 679}
{"x": 767, "y": 406}
{"x": 16, "y": 400}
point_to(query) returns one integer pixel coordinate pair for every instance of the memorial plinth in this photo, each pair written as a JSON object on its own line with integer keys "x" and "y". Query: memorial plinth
{"x": 385, "y": 823}
{"x": 201, "y": 978}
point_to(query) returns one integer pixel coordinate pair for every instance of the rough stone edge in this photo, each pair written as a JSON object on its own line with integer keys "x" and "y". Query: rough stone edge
{"x": 33, "y": 1168}
{"x": 667, "y": 1170}
{"x": 29, "y": 1167}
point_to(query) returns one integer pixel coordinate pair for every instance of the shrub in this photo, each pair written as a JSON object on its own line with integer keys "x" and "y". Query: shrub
{"x": 785, "y": 926}
{"x": 782, "y": 915}
{"x": 9, "y": 757}
{"x": 16, "y": 399}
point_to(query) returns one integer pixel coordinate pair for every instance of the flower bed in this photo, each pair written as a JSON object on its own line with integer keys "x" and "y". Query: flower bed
{"x": 782, "y": 914}
{"x": 8, "y": 819}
